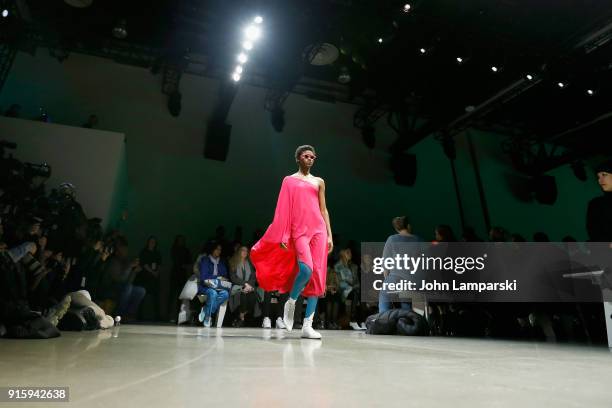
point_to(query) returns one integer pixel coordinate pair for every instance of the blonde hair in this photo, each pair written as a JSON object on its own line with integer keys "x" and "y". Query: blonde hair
{"x": 236, "y": 260}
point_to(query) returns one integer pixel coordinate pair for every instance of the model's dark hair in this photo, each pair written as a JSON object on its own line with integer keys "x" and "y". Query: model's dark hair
{"x": 400, "y": 223}
{"x": 302, "y": 149}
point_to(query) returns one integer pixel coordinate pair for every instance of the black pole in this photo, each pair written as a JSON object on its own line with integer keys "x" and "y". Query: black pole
{"x": 481, "y": 194}
{"x": 458, "y": 193}
{"x": 448, "y": 145}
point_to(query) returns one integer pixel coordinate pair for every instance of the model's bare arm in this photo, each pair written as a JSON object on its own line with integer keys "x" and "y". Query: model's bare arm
{"x": 325, "y": 214}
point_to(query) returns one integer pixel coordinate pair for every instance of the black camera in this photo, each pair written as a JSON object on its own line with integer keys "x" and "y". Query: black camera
{"x": 31, "y": 170}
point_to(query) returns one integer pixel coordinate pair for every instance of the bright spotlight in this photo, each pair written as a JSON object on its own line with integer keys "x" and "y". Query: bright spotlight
{"x": 423, "y": 50}
{"x": 247, "y": 45}
{"x": 380, "y": 40}
{"x": 238, "y": 69}
{"x": 5, "y": 13}
{"x": 258, "y": 20}
{"x": 494, "y": 68}
{"x": 242, "y": 58}
{"x": 407, "y": 7}
{"x": 252, "y": 33}
{"x": 459, "y": 60}
{"x": 590, "y": 92}
{"x": 529, "y": 77}
{"x": 561, "y": 85}
{"x": 236, "y": 77}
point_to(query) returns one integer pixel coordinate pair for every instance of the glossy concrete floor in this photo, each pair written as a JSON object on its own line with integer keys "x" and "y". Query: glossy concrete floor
{"x": 166, "y": 366}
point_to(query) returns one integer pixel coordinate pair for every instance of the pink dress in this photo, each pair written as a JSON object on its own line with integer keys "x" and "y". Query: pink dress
{"x": 298, "y": 223}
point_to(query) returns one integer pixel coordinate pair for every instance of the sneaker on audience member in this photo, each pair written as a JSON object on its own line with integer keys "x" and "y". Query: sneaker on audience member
{"x": 207, "y": 322}
{"x": 354, "y": 326}
{"x": 363, "y": 326}
{"x": 280, "y": 324}
{"x": 201, "y": 316}
{"x": 267, "y": 323}
{"x": 56, "y": 312}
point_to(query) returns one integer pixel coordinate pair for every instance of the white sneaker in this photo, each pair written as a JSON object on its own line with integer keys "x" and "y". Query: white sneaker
{"x": 289, "y": 310}
{"x": 363, "y": 326}
{"x": 207, "y": 322}
{"x": 280, "y": 324}
{"x": 307, "y": 331}
{"x": 267, "y": 323}
{"x": 201, "y": 315}
{"x": 354, "y": 326}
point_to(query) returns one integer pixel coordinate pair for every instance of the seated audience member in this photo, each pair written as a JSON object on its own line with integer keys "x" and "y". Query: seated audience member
{"x": 119, "y": 277}
{"x": 395, "y": 245}
{"x": 148, "y": 278}
{"x": 330, "y": 304}
{"x": 271, "y": 310}
{"x": 213, "y": 283}
{"x": 348, "y": 278}
{"x": 244, "y": 293}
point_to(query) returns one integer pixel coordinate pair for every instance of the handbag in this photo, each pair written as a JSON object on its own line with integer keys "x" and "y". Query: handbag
{"x": 190, "y": 290}
{"x": 218, "y": 284}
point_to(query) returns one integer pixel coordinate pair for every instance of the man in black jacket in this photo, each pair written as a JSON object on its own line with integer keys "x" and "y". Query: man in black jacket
{"x": 599, "y": 213}
{"x": 599, "y": 224}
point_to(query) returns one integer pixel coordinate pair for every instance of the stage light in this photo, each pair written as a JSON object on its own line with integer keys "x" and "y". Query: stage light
{"x": 407, "y": 8}
{"x": 247, "y": 45}
{"x": 5, "y": 13}
{"x": 494, "y": 68}
{"x": 529, "y": 77}
{"x": 423, "y": 50}
{"x": 561, "y": 85}
{"x": 258, "y": 20}
{"x": 380, "y": 40}
{"x": 236, "y": 77}
{"x": 252, "y": 33}
{"x": 459, "y": 60}
{"x": 242, "y": 58}
{"x": 590, "y": 92}
{"x": 238, "y": 69}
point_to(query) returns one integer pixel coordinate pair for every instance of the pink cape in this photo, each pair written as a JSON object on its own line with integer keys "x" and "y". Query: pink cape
{"x": 276, "y": 267}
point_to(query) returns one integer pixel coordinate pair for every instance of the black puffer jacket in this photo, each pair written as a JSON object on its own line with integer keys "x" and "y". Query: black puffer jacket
{"x": 397, "y": 321}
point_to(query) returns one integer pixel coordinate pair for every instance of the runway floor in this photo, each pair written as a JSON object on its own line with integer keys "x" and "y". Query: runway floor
{"x": 166, "y": 366}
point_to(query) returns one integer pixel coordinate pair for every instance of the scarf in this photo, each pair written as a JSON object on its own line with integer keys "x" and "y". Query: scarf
{"x": 215, "y": 265}
{"x": 245, "y": 270}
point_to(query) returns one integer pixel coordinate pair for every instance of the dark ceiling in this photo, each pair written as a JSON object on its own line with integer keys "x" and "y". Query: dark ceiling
{"x": 554, "y": 40}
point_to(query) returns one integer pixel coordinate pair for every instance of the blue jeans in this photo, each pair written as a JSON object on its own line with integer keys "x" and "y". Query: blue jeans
{"x": 129, "y": 299}
{"x": 384, "y": 303}
{"x": 214, "y": 300}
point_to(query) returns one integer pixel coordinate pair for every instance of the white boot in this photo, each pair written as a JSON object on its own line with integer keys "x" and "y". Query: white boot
{"x": 288, "y": 314}
{"x": 307, "y": 331}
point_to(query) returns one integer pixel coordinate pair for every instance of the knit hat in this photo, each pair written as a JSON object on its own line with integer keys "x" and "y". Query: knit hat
{"x": 605, "y": 167}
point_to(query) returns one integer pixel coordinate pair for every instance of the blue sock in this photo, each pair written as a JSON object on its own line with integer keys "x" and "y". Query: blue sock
{"x": 311, "y": 305}
{"x": 301, "y": 280}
